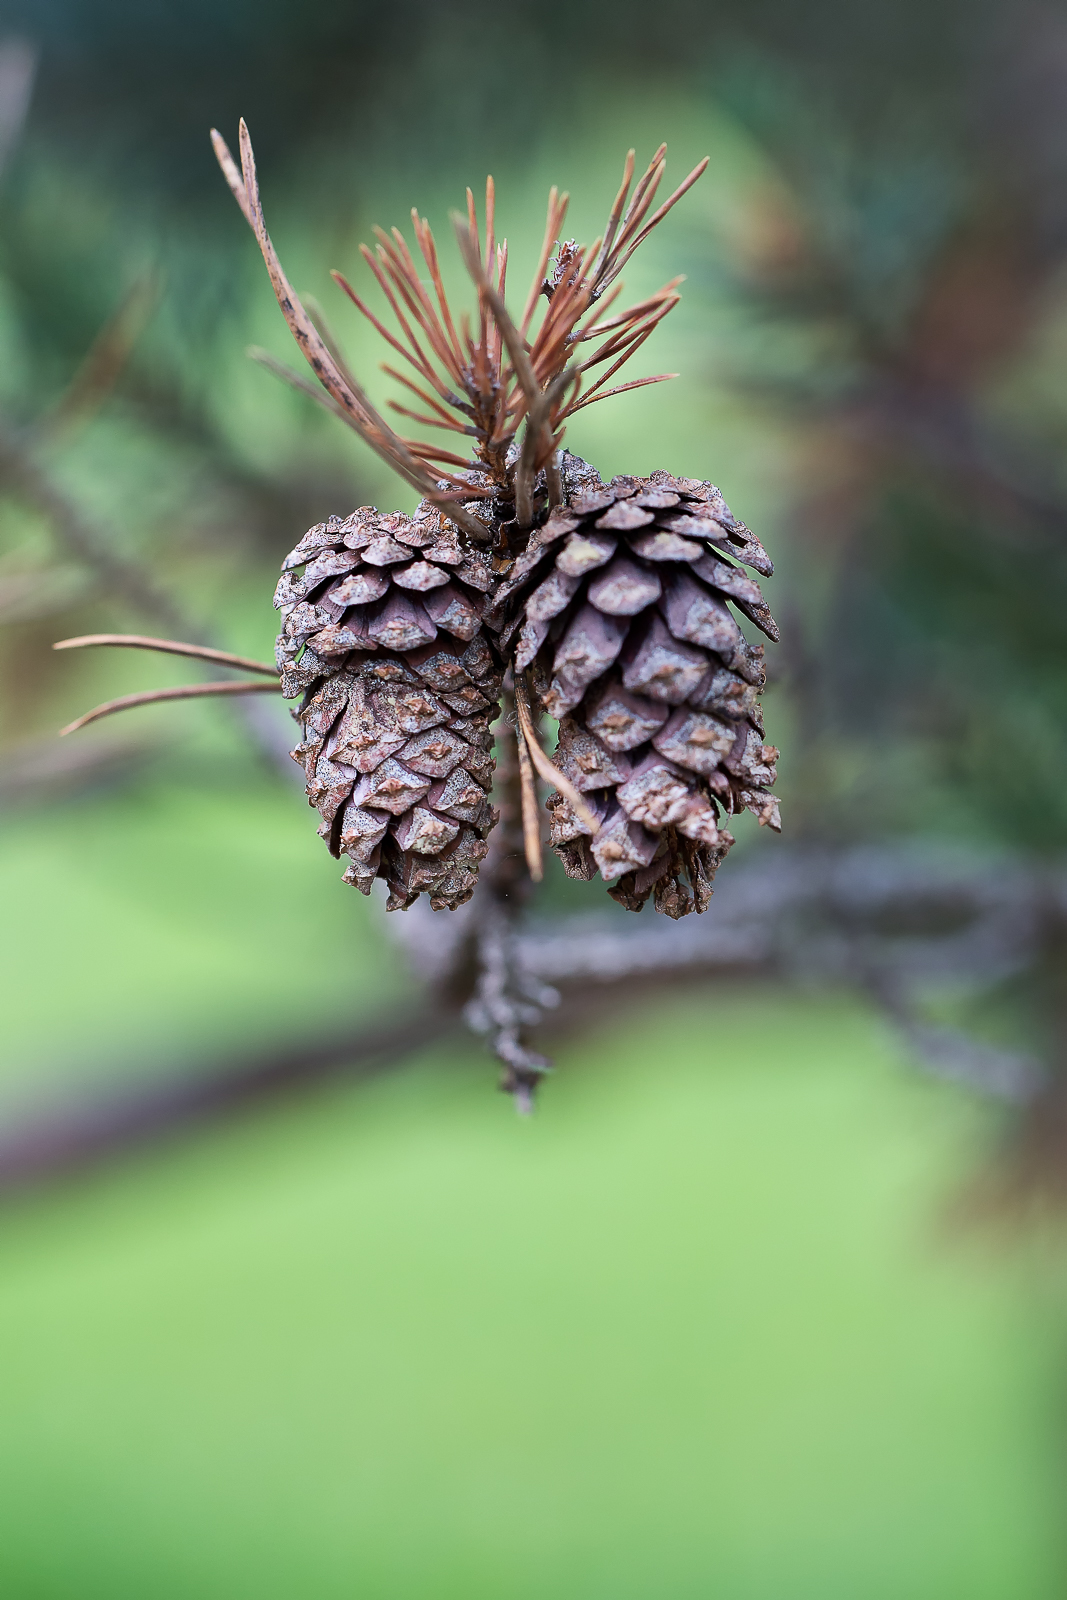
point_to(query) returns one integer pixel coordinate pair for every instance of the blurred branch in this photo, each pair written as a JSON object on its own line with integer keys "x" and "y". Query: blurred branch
{"x": 48, "y": 768}
{"x": 22, "y": 475}
{"x": 887, "y": 921}
{"x": 949, "y": 1053}
{"x": 103, "y": 365}
{"x": 91, "y": 1128}
{"x": 29, "y": 592}
{"x": 18, "y": 69}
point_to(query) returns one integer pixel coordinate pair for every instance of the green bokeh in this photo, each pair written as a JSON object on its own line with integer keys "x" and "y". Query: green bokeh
{"x": 692, "y": 1330}
{"x": 173, "y": 924}
{"x": 697, "y": 1329}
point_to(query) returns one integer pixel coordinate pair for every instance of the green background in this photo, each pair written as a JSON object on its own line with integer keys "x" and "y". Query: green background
{"x": 724, "y": 1318}
{"x": 713, "y": 1321}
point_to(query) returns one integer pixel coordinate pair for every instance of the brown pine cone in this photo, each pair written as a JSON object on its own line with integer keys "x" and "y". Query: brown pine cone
{"x": 619, "y": 606}
{"x": 382, "y": 635}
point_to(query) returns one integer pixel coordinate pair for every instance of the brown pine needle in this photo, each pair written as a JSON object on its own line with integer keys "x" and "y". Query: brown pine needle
{"x": 357, "y": 408}
{"x": 428, "y": 399}
{"x": 490, "y": 223}
{"x": 550, "y": 773}
{"x": 638, "y": 383}
{"x": 173, "y": 647}
{"x": 531, "y": 822}
{"x": 430, "y": 452}
{"x": 616, "y": 210}
{"x": 658, "y": 216}
{"x": 296, "y": 380}
{"x": 428, "y": 247}
{"x": 231, "y": 172}
{"x": 431, "y": 422}
{"x": 594, "y": 329}
{"x": 415, "y": 354}
{"x": 520, "y": 359}
{"x": 485, "y": 369}
{"x": 186, "y": 691}
{"x": 640, "y": 204}
{"x": 513, "y": 339}
{"x": 557, "y": 210}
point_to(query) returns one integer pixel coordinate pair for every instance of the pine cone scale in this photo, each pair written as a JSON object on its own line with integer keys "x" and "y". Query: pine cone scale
{"x": 381, "y": 633}
{"x": 621, "y": 605}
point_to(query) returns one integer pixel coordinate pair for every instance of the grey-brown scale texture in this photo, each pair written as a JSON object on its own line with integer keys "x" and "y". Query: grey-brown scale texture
{"x": 622, "y": 609}
{"x": 382, "y": 639}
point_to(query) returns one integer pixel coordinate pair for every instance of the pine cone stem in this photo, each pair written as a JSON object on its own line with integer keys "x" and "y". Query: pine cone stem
{"x": 508, "y": 997}
{"x": 499, "y": 1007}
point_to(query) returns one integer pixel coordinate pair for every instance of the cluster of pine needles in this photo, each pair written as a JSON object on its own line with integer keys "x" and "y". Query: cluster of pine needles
{"x": 483, "y": 383}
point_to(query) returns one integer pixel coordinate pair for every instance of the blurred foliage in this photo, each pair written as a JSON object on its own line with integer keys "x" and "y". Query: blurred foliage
{"x": 869, "y": 340}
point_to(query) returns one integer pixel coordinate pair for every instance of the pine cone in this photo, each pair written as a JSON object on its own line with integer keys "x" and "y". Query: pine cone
{"x": 382, "y": 635}
{"x": 619, "y": 606}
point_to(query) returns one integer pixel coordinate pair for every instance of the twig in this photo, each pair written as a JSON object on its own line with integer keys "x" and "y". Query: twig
{"x": 501, "y": 1009}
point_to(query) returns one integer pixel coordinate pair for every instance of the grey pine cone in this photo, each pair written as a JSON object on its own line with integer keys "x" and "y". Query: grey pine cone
{"x": 620, "y": 610}
{"x": 382, "y": 637}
